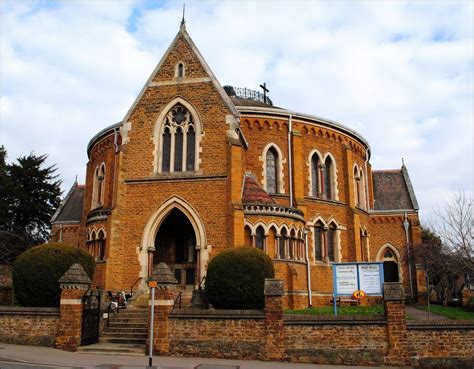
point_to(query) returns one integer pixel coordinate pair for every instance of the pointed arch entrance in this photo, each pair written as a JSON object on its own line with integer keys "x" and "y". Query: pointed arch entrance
{"x": 391, "y": 263}
{"x": 169, "y": 235}
{"x": 175, "y": 244}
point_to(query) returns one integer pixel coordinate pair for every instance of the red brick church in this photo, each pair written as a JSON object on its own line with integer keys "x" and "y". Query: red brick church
{"x": 195, "y": 168}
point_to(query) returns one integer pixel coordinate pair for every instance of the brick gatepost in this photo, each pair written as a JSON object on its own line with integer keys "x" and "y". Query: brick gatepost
{"x": 74, "y": 284}
{"x": 397, "y": 335}
{"x": 274, "y": 329}
{"x": 164, "y": 301}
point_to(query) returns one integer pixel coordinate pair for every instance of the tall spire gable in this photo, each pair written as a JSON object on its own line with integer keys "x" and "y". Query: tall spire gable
{"x": 182, "y": 49}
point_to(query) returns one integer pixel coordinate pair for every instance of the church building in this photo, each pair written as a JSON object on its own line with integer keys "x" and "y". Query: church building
{"x": 195, "y": 168}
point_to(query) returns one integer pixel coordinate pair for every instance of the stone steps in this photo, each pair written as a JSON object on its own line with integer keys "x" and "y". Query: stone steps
{"x": 113, "y": 349}
{"x": 128, "y": 327}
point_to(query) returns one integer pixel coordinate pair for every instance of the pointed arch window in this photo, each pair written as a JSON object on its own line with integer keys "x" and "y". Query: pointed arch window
{"x": 331, "y": 240}
{"x": 271, "y": 166}
{"x": 328, "y": 180}
{"x": 101, "y": 246}
{"x": 315, "y": 174}
{"x": 282, "y": 244}
{"x": 178, "y": 141}
{"x": 98, "y": 187}
{"x": 318, "y": 241}
{"x": 260, "y": 238}
{"x": 180, "y": 70}
{"x": 247, "y": 236}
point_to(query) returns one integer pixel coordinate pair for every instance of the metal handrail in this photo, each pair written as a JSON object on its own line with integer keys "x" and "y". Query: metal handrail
{"x": 200, "y": 283}
{"x": 246, "y": 93}
{"x": 134, "y": 283}
{"x": 178, "y": 301}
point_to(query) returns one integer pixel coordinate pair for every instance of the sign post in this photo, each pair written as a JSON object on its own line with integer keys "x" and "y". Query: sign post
{"x": 152, "y": 285}
{"x": 357, "y": 280}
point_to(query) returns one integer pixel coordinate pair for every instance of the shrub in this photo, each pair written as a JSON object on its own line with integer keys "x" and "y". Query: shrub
{"x": 235, "y": 278}
{"x": 36, "y": 272}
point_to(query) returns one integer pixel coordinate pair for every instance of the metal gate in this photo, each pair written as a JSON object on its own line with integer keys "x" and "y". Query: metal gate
{"x": 90, "y": 318}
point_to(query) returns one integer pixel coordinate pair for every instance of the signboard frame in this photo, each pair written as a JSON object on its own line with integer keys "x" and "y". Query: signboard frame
{"x": 357, "y": 285}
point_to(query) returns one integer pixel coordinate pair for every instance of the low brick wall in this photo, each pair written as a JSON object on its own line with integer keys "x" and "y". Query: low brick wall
{"x": 441, "y": 344}
{"x": 230, "y": 334}
{"x": 336, "y": 340}
{"x": 28, "y": 326}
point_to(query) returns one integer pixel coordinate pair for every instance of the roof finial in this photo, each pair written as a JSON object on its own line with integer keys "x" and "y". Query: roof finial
{"x": 403, "y": 162}
{"x": 75, "y": 182}
{"x": 183, "y": 22}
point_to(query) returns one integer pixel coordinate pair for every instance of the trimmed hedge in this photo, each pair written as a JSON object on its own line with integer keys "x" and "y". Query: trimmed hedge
{"x": 36, "y": 272}
{"x": 235, "y": 278}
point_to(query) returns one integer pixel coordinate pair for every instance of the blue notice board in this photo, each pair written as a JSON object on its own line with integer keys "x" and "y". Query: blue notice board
{"x": 350, "y": 277}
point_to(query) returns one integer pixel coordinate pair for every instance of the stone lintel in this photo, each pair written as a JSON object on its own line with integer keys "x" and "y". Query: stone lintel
{"x": 273, "y": 287}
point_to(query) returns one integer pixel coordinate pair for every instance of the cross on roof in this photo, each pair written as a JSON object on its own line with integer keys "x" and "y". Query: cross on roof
{"x": 265, "y": 90}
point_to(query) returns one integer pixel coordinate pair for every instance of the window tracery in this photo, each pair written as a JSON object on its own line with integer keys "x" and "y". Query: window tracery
{"x": 178, "y": 141}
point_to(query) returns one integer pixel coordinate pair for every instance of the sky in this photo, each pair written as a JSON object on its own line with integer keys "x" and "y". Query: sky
{"x": 398, "y": 72}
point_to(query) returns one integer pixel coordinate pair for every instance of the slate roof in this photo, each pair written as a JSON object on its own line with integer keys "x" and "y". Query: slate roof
{"x": 253, "y": 193}
{"x": 71, "y": 207}
{"x": 393, "y": 190}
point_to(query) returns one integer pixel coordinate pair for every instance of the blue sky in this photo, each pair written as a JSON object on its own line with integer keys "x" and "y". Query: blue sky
{"x": 398, "y": 72}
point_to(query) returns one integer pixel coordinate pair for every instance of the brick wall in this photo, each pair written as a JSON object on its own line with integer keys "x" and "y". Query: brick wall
{"x": 441, "y": 343}
{"x": 335, "y": 340}
{"x": 28, "y": 326}
{"x": 220, "y": 334}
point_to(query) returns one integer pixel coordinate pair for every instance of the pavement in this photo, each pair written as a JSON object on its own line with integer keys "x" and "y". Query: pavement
{"x": 29, "y": 357}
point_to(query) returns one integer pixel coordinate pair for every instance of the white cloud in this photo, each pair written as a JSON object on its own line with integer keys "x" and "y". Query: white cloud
{"x": 399, "y": 72}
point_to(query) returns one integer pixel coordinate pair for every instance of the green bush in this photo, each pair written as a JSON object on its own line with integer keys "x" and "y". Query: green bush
{"x": 236, "y": 277}
{"x": 36, "y": 272}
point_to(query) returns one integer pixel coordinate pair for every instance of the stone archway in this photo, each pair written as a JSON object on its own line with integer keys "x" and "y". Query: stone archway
{"x": 391, "y": 263}
{"x": 175, "y": 245}
{"x": 192, "y": 220}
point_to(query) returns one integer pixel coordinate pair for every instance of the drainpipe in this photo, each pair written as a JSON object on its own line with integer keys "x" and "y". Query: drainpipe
{"x": 308, "y": 269}
{"x": 114, "y": 198}
{"x": 366, "y": 184}
{"x": 60, "y": 233}
{"x": 406, "y": 225}
{"x": 290, "y": 160}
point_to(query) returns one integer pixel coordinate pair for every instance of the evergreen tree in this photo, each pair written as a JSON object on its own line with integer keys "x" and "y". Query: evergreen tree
{"x": 29, "y": 195}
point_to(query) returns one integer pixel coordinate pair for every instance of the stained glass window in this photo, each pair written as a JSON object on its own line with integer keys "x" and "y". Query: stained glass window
{"x": 165, "y": 165}
{"x": 331, "y": 242}
{"x": 190, "y": 149}
{"x": 315, "y": 175}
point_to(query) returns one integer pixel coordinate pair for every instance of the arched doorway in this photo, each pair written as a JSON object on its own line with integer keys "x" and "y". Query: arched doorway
{"x": 175, "y": 244}
{"x": 390, "y": 266}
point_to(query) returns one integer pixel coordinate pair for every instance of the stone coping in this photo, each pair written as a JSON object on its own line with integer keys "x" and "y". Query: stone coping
{"x": 440, "y": 324}
{"x": 19, "y": 310}
{"x": 300, "y": 319}
{"x": 217, "y": 314}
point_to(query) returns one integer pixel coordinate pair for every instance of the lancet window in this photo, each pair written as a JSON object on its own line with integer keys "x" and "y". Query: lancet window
{"x": 271, "y": 166}
{"x": 323, "y": 177}
{"x": 98, "y": 186}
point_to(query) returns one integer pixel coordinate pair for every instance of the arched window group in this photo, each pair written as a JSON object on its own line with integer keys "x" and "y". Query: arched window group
{"x": 178, "y": 138}
{"x": 323, "y": 177}
{"x": 98, "y": 187}
{"x": 96, "y": 244}
{"x": 326, "y": 242}
{"x": 359, "y": 187}
{"x": 284, "y": 243}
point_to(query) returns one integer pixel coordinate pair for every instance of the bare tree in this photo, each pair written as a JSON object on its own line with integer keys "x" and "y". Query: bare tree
{"x": 455, "y": 228}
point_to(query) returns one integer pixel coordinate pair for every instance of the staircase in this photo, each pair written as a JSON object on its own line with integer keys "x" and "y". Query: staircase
{"x": 126, "y": 334}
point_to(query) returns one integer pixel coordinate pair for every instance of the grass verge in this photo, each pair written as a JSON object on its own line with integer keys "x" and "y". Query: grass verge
{"x": 341, "y": 310}
{"x": 450, "y": 312}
